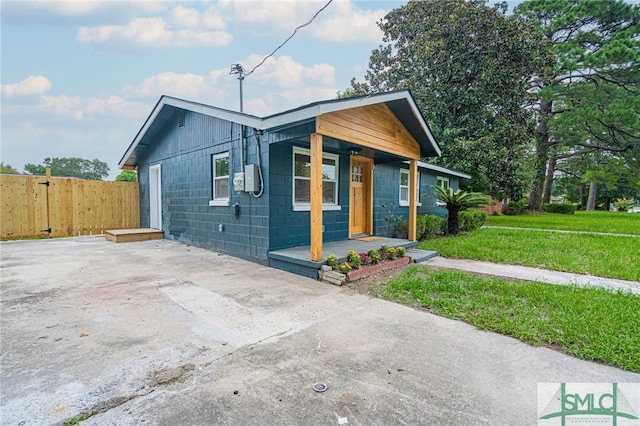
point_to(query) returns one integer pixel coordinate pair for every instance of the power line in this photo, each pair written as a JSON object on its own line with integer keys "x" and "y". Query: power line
{"x": 238, "y": 69}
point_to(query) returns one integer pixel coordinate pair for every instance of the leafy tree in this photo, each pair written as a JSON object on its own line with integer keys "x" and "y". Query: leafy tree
{"x": 468, "y": 66}
{"x": 7, "y": 169}
{"x": 589, "y": 97}
{"x": 456, "y": 201}
{"x": 127, "y": 176}
{"x": 70, "y": 167}
{"x": 605, "y": 177}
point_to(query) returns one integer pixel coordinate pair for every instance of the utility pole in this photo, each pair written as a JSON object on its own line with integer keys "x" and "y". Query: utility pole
{"x": 237, "y": 69}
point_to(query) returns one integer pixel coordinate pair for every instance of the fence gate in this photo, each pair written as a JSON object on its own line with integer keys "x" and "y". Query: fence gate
{"x": 45, "y": 206}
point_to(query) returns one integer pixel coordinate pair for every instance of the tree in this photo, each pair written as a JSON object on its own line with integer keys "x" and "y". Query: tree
{"x": 70, "y": 167}
{"x": 591, "y": 88}
{"x": 127, "y": 176}
{"x": 456, "y": 201}
{"x": 468, "y": 66}
{"x": 7, "y": 169}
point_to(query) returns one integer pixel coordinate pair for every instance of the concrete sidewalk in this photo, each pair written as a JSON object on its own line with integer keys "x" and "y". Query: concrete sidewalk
{"x": 531, "y": 274}
{"x": 160, "y": 333}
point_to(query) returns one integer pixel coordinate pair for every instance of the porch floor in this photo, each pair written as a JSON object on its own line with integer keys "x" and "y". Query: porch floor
{"x": 298, "y": 259}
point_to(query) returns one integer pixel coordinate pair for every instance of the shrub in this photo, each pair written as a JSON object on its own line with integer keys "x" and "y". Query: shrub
{"x": 560, "y": 208}
{"x": 622, "y": 205}
{"x": 366, "y": 260}
{"x": 332, "y": 260}
{"x": 402, "y": 228}
{"x": 375, "y": 256}
{"x": 471, "y": 220}
{"x": 515, "y": 208}
{"x": 401, "y": 251}
{"x": 345, "y": 268}
{"x": 392, "y": 253}
{"x": 354, "y": 259}
{"x": 428, "y": 226}
{"x": 384, "y": 248}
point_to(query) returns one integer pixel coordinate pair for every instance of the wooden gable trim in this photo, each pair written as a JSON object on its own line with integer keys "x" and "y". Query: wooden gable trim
{"x": 373, "y": 126}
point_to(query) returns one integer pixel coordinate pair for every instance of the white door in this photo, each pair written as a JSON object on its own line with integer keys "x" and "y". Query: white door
{"x": 155, "y": 198}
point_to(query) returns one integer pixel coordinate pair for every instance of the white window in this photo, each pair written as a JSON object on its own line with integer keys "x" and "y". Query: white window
{"x": 443, "y": 183}
{"x": 220, "y": 166}
{"x": 404, "y": 188}
{"x": 302, "y": 180}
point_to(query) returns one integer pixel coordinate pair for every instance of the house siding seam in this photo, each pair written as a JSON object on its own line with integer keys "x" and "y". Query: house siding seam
{"x": 185, "y": 157}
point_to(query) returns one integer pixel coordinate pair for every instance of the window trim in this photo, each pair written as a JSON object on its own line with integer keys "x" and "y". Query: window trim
{"x": 298, "y": 206}
{"x": 405, "y": 203}
{"x": 438, "y": 180}
{"x": 222, "y": 201}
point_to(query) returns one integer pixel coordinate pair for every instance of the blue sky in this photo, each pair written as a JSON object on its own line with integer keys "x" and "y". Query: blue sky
{"x": 80, "y": 77}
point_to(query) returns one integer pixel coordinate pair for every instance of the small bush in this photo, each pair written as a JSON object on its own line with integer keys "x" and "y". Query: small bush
{"x": 345, "y": 268}
{"x": 622, "y": 205}
{"x": 384, "y": 248}
{"x": 429, "y": 225}
{"x": 392, "y": 253}
{"x": 515, "y": 208}
{"x": 332, "y": 260}
{"x": 470, "y": 220}
{"x": 560, "y": 208}
{"x": 402, "y": 229}
{"x": 401, "y": 251}
{"x": 375, "y": 256}
{"x": 354, "y": 259}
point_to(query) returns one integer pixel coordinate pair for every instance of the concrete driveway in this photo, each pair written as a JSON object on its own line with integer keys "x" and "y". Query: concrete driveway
{"x": 161, "y": 333}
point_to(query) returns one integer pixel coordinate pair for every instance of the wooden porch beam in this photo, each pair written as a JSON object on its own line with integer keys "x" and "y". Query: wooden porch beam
{"x": 413, "y": 207}
{"x": 316, "y": 196}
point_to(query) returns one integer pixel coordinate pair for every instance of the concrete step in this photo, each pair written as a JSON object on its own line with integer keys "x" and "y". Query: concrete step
{"x": 419, "y": 255}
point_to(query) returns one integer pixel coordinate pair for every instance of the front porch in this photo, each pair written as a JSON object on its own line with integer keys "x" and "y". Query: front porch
{"x": 298, "y": 259}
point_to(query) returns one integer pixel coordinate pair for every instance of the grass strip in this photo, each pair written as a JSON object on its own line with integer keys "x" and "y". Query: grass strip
{"x": 594, "y": 324}
{"x": 593, "y": 254}
{"x": 597, "y": 221}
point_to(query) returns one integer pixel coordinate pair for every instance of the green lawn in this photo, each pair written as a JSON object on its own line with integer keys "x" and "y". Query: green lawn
{"x": 593, "y": 254}
{"x": 589, "y": 323}
{"x": 598, "y": 221}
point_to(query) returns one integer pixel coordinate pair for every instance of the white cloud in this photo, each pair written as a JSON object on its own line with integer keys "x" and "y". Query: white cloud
{"x": 74, "y": 12}
{"x": 285, "y": 72}
{"x": 32, "y": 85}
{"x": 281, "y": 83}
{"x": 183, "y": 27}
{"x": 346, "y": 22}
{"x": 187, "y": 86}
{"x": 79, "y": 108}
{"x": 341, "y": 21}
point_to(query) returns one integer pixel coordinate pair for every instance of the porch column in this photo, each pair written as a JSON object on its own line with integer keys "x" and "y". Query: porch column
{"x": 316, "y": 196}
{"x": 413, "y": 208}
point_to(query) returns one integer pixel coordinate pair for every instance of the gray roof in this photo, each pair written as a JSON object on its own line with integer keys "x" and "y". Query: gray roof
{"x": 401, "y": 103}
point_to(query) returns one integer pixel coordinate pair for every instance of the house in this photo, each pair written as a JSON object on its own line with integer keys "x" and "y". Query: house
{"x": 249, "y": 186}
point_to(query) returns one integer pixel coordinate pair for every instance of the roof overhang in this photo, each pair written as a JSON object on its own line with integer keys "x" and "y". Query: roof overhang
{"x": 401, "y": 103}
{"x": 433, "y": 167}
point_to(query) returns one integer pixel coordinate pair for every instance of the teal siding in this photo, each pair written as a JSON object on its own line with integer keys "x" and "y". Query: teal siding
{"x": 185, "y": 155}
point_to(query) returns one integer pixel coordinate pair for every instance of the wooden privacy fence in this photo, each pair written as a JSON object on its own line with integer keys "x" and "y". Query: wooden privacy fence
{"x": 44, "y": 206}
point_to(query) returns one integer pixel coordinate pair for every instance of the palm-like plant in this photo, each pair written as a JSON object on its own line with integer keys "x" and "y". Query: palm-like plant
{"x": 459, "y": 200}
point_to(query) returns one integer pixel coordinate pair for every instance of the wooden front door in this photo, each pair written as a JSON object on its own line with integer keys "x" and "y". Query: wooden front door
{"x": 360, "y": 196}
